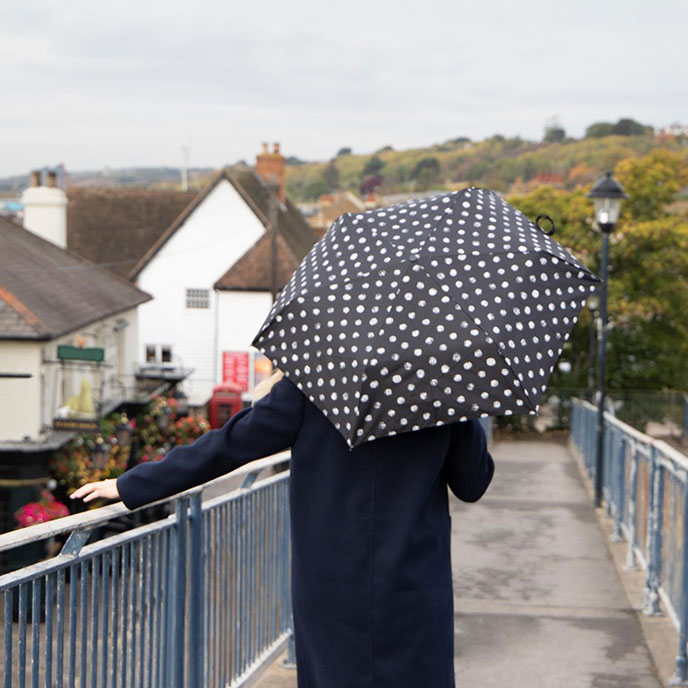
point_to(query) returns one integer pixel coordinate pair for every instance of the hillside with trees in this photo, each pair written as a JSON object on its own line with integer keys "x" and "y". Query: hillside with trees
{"x": 498, "y": 163}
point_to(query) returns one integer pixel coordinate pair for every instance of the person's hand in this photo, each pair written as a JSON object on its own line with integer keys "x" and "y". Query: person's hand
{"x": 103, "y": 488}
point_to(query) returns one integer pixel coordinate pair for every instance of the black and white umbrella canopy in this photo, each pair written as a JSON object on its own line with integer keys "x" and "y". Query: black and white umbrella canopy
{"x": 427, "y": 312}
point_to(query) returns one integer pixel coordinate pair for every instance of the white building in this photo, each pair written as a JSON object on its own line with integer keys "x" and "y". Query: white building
{"x": 68, "y": 329}
{"x": 209, "y": 273}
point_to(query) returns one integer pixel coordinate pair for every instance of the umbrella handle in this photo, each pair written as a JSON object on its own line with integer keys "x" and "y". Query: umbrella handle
{"x": 546, "y": 217}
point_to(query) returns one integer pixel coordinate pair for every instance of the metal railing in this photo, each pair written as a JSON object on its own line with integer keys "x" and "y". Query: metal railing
{"x": 200, "y": 598}
{"x": 645, "y": 489}
{"x": 488, "y": 426}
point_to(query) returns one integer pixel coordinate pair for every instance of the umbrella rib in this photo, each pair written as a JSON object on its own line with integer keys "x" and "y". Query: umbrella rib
{"x": 468, "y": 315}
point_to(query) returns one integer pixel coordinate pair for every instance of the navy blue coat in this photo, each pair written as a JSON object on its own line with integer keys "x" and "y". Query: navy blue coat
{"x": 371, "y": 566}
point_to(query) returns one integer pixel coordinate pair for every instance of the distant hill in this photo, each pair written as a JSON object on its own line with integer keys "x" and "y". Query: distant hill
{"x": 503, "y": 164}
{"x": 147, "y": 177}
{"x": 510, "y": 165}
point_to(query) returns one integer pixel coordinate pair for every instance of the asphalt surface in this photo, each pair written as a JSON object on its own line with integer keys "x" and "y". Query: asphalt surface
{"x": 538, "y": 601}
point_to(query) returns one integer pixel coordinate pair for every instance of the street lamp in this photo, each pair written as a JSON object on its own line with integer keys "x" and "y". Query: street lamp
{"x": 607, "y": 194}
{"x": 99, "y": 453}
{"x": 163, "y": 418}
{"x": 182, "y": 403}
{"x": 593, "y": 306}
{"x": 123, "y": 432}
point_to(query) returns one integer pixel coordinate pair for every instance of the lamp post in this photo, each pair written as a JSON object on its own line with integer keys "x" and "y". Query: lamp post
{"x": 99, "y": 453}
{"x": 163, "y": 418}
{"x": 607, "y": 194}
{"x": 123, "y": 432}
{"x": 593, "y": 305}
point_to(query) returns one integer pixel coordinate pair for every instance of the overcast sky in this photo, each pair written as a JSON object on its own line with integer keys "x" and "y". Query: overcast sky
{"x": 126, "y": 83}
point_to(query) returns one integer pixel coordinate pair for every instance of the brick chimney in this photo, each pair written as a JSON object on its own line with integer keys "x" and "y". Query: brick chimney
{"x": 272, "y": 164}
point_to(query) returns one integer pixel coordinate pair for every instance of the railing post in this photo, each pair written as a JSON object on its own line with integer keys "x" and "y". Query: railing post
{"x": 632, "y": 501}
{"x": 654, "y": 525}
{"x": 289, "y": 662}
{"x": 617, "y": 534}
{"x": 179, "y": 582}
{"x": 170, "y": 596}
{"x": 607, "y": 473}
{"x": 592, "y": 443}
{"x": 680, "y": 678}
{"x": 196, "y": 594}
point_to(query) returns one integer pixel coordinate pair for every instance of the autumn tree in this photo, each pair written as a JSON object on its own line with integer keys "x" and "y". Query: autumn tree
{"x": 651, "y": 182}
{"x": 648, "y": 274}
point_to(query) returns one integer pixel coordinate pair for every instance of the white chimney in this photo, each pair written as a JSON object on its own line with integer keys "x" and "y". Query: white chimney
{"x": 45, "y": 209}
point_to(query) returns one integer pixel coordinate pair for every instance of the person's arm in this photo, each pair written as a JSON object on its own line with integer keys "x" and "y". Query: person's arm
{"x": 469, "y": 467}
{"x": 269, "y": 426}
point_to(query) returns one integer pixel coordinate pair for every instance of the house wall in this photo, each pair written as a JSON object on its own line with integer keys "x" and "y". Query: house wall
{"x": 218, "y": 232}
{"x": 240, "y": 315}
{"x": 20, "y": 397}
{"x": 112, "y": 382}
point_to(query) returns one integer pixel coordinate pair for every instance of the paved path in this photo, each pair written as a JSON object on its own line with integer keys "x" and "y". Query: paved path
{"x": 538, "y": 601}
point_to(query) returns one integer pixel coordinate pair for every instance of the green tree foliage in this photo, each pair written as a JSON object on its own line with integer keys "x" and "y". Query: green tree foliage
{"x": 647, "y": 303}
{"x": 431, "y": 164}
{"x": 316, "y": 188}
{"x": 624, "y": 127}
{"x": 599, "y": 129}
{"x": 331, "y": 175}
{"x": 648, "y": 274}
{"x": 373, "y": 166}
{"x": 554, "y": 133}
{"x": 425, "y": 173}
{"x": 652, "y": 181}
{"x": 344, "y": 151}
{"x": 629, "y": 127}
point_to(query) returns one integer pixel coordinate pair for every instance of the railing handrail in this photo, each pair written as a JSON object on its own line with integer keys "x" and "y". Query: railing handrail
{"x": 666, "y": 449}
{"x": 94, "y": 517}
{"x": 645, "y": 489}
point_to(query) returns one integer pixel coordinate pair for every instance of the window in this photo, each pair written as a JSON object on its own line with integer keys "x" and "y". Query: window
{"x": 166, "y": 354}
{"x": 198, "y": 298}
{"x": 150, "y": 353}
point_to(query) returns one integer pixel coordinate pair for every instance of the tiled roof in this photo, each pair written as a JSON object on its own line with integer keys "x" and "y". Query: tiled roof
{"x": 331, "y": 206}
{"x": 12, "y": 322}
{"x": 47, "y": 291}
{"x": 114, "y": 227}
{"x": 292, "y": 226}
{"x": 253, "y": 270}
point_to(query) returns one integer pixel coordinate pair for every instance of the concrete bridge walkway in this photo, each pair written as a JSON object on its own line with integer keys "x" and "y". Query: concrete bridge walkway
{"x": 538, "y": 601}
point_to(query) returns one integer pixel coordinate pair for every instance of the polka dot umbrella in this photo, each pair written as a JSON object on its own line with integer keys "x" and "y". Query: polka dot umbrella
{"x": 426, "y": 312}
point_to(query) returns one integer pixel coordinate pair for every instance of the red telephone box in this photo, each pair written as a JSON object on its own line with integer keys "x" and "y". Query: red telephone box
{"x": 224, "y": 403}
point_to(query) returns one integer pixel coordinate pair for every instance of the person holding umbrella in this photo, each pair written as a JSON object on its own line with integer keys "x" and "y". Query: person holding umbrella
{"x": 371, "y": 571}
{"x": 383, "y": 369}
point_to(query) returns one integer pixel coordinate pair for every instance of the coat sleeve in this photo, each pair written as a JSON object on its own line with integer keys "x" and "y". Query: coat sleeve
{"x": 468, "y": 467}
{"x": 269, "y": 426}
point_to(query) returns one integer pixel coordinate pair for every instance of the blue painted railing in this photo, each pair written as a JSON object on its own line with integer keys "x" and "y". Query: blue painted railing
{"x": 645, "y": 489}
{"x": 488, "y": 424}
{"x": 200, "y": 598}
